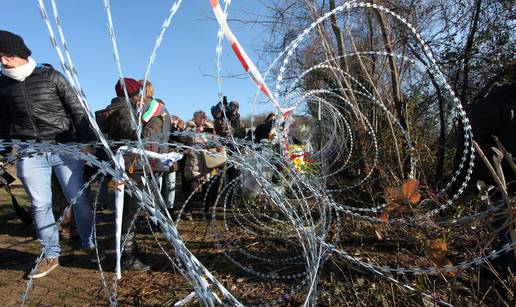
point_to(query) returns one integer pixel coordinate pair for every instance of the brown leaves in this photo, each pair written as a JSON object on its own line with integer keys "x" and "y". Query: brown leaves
{"x": 435, "y": 250}
{"x": 406, "y": 193}
{"x": 397, "y": 197}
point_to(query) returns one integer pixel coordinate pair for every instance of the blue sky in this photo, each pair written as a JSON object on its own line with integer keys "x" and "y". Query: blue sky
{"x": 184, "y": 70}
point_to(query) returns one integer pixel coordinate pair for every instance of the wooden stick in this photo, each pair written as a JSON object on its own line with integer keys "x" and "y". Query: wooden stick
{"x": 503, "y": 191}
{"x": 506, "y": 154}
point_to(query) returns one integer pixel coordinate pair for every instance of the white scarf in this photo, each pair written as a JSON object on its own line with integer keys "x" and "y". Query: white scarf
{"x": 21, "y": 72}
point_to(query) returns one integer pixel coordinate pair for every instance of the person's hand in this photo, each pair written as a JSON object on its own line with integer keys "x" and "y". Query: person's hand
{"x": 181, "y": 125}
{"x": 88, "y": 149}
{"x": 199, "y": 140}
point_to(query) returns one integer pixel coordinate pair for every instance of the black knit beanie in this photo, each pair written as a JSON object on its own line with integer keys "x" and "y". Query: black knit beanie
{"x": 13, "y": 44}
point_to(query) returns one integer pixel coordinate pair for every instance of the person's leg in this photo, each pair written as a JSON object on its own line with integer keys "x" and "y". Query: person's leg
{"x": 67, "y": 229}
{"x": 207, "y": 196}
{"x": 214, "y": 186}
{"x": 232, "y": 174}
{"x": 130, "y": 255}
{"x": 190, "y": 192}
{"x": 128, "y": 227}
{"x": 160, "y": 177}
{"x": 169, "y": 189}
{"x": 69, "y": 172}
{"x": 103, "y": 192}
{"x": 35, "y": 173}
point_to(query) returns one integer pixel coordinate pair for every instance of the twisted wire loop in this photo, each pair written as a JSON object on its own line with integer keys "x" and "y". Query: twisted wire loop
{"x": 297, "y": 219}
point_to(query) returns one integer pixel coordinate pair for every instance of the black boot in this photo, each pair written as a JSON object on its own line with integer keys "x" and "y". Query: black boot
{"x": 132, "y": 263}
{"x": 130, "y": 256}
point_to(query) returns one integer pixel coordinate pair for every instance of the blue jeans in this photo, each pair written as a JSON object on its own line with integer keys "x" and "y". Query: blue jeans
{"x": 35, "y": 174}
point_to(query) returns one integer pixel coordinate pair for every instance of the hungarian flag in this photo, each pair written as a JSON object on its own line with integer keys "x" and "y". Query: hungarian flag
{"x": 153, "y": 110}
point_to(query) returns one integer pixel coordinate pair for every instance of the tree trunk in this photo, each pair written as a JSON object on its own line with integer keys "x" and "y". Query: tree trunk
{"x": 441, "y": 151}
{"x": 339, "y": 38}
{"x": 396, "y": 94}
{"x": 468, "y": 50}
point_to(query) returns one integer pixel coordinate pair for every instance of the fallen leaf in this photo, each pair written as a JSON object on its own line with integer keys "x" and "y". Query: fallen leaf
{"x": 392, "y": 194}
{"x": 384, "y": 218}
{"x": 410, "y": 193}
{"x": 391, "y": 208}
{"x": 406, "y": 193}
{"x": 436, "y": 251}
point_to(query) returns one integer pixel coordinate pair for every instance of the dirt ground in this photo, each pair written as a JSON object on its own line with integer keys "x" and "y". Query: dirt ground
{"x": 78, "y": 283}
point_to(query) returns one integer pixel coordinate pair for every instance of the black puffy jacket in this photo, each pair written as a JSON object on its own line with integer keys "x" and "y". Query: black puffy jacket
{"x": 43, "y": 107}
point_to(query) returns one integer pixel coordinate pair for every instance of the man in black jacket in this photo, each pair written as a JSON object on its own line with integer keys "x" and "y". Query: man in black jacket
{"x": 38, "y": 104}
{"x": 494, "y": 115}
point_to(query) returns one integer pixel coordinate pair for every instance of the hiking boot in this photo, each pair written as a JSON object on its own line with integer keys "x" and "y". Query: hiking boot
{"x": 45, "y": 267}
{"x": 92, "y": 255}
{"x": 188, "y": 217}
{"x": 132, "y": 263}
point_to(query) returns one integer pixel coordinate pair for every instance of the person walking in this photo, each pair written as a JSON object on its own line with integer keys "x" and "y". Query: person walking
{"x": 155, "y": 130}
{"x": 226, "y": 128}
{"x": 38, "y": 104}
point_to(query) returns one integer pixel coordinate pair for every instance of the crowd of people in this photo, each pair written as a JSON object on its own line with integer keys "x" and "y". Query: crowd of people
{"x": 38, "y": 104}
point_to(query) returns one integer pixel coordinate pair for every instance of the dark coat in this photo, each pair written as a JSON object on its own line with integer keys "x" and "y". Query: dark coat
{"x": 157, "y": 130}
{"x": 236, "y": 126}
{"x": 104, "y": 116}
{"x": 494, "y": 115}
{"x": 262, "y": 131}
{"x": 43, "y": 107}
